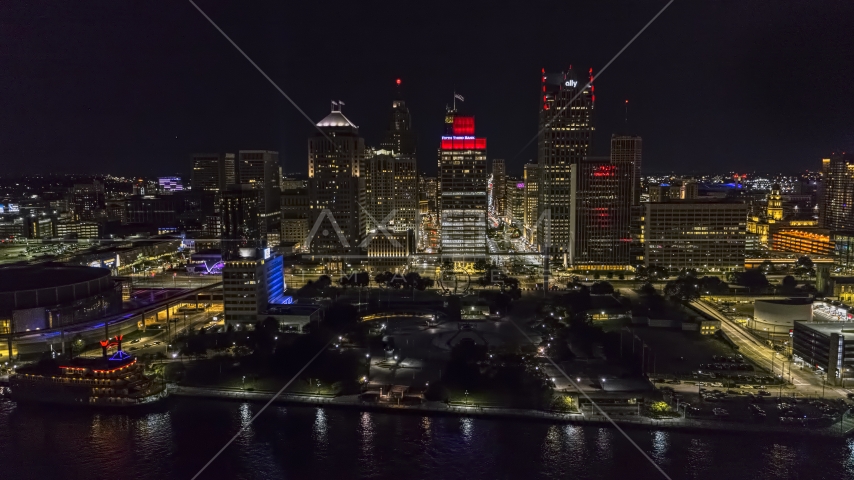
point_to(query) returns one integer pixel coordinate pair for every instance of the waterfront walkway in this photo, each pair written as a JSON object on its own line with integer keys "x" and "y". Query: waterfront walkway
{"x": 353, "y": 401}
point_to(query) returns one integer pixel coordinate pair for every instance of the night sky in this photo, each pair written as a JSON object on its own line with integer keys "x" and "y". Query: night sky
{"x": 134, "y": 87}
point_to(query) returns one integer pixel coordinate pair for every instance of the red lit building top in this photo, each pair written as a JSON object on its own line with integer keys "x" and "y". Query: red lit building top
{"x": 463, "y": 143}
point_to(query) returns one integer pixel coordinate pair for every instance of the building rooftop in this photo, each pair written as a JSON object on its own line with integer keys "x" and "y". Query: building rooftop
{"x": 336, "y": 119}
{"x": 789, "y": 301}
{"x": 826, "y": 328}
{"x": 30, "y": 277}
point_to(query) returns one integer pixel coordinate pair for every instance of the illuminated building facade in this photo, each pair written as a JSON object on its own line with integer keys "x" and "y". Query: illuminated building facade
{"x": 499, "y": 187}
{"x": 295, "y": 213}
{"x": 565, "y": 139}
{"x": 836, "y": 211}
{"x": 808, "y": 242}
{"x": 391, "y": 190}
{"x": 515, "y": 193}
{"x": 250, "y": 283}
{"x": 170, "y": 184}
{"x": 705, "y": 235}
{"x": 336, "y": 163}
{"x": 531, "y": 179}
{"x": 462, "y": 189}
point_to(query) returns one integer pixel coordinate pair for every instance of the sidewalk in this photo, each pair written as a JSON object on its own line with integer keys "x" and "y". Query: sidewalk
{"x": 353, "y": 401}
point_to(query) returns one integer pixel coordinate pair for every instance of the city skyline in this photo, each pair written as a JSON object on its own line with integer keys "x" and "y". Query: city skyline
{"x": 385, "y": 240}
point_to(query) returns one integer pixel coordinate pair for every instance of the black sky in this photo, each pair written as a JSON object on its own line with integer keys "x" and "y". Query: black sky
{"x": 134, "y": 87}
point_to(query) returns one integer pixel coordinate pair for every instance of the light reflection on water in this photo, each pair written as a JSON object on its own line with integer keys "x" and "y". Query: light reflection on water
{"x": 303, "y": 442}
{"x": 466, "y": 427}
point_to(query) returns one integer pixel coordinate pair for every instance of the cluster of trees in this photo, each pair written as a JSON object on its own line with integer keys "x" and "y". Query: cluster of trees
{"x": 358, "y": 279}
{"x": 689, "y": 286}
{"x": 411, "y": 280}
{"x": 652, "y": 273}
{"x": 754, "y": 279}
{"x": 803, "y": 268}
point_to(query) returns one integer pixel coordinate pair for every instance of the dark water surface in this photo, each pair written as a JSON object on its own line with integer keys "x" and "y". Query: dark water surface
{"x": 176, "y": 440}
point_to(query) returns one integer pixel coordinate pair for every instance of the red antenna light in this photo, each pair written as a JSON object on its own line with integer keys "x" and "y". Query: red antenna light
{"x": 627, "y": 101}
{"x": 398, "y": 81}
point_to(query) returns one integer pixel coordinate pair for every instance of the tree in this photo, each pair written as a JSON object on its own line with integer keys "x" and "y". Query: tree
{"x": 651, "y": 273}
{"x": 77, "y": 345}
{"x": 805, "y": 262}
{"x": 382, "y": 279}
{"x": 648, "y": 289}
{"x": 602, "y": 288}
{"x": 753, "y": 279}
{"x": 685, "y": 287}
{"x": 713, "y": 285}
{"x": 270, "y": 325}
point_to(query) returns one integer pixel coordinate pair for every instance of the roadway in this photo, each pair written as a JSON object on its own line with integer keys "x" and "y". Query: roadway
{"x": 146, "y": 342}
{"x": 804, "y": 380}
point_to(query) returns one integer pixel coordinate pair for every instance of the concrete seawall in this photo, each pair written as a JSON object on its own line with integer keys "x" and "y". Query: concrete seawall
{"x": 439, "y": 408}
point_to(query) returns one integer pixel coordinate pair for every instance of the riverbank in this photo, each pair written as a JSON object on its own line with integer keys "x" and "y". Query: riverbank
{"x": 439, "y": 408}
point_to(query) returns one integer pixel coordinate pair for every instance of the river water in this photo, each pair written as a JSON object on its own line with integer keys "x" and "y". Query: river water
{"x": 175, "y": 440}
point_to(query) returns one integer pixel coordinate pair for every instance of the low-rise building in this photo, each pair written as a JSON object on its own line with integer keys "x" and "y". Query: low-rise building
{"x": 828, "y": 347}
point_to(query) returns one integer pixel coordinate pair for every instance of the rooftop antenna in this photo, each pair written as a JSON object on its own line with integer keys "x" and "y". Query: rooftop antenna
{"x": 459, "y": 97}
{"x": 627, "y": 112}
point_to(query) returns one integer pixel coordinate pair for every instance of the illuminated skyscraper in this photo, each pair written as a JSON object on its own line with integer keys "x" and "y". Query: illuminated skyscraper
{"x": 532, "y": 199}
{"x": 601, "y": 217}
{"x": 336, "y": 163}
{"x": 836, "y": 211}
{"x": 391, "y": 182}
{"x": 565, "y": 139}
{"x": 499, "y": 187}
{"x": 462, "y": 189}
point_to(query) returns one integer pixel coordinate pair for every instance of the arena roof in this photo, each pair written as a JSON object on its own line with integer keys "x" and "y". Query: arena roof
{"x": 31, "y": 277}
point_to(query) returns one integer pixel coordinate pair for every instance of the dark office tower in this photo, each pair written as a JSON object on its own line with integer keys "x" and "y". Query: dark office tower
{"x": 336, "y": 160}
{"x": 243, "y": 219}
{"x": 212, "y": 172}
{"x": 399, "y": 137}
{"x": 87, "y": 201}
{"x": 566, "y": 136}
{"x": 836, "y": 207}
{"x": 626, "y": 150}
{"x": 601, "y": 217}
{"x": 499, "y": 187}
{"x": 259, "y": 169}
{"x": 626, "y": 154}
{"x": 462, "y": 189}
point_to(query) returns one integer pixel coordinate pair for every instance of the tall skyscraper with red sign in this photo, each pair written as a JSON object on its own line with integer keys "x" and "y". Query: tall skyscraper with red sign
{"x": 565, "y": 139}
{"x": 462, "y": 201}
